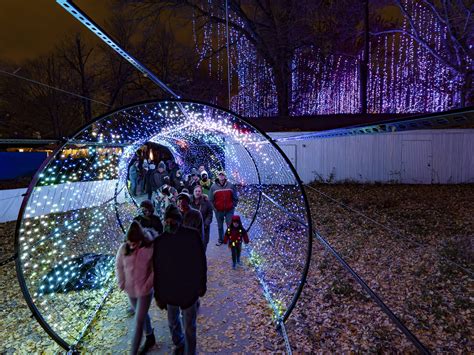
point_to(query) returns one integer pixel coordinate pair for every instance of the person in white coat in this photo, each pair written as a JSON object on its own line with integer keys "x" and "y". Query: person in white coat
{"x": 134, "y": 272}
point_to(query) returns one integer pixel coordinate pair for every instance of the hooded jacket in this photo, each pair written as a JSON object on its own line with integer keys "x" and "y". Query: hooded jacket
{"x": 235, "y": 236}
{"x": 134, "y": 272}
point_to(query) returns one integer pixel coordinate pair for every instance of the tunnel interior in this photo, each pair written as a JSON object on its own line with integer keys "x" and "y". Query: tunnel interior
{"x": 77, "y": 207}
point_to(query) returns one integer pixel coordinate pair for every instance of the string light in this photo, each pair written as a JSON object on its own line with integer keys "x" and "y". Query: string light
{"x": 71, "y": 228}
{"x": 403, "y": 75}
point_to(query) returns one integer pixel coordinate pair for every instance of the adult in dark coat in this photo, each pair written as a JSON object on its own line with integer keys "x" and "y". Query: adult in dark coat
{"x": 192, "y": 218}
{"x": 180, "y": 277}
{"x": 201, "y": 202}
{"x": 150, "y": 184}
{"x": 159, "y": 175}
{"x": 177, "y": 181}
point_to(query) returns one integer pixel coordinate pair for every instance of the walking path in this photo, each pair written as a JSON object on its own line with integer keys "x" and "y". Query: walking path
{"x": 233, "y": 317}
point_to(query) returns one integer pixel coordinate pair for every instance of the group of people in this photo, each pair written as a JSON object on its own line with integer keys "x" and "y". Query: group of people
{"x": 166, "y": 258}
{"x": 146, "y": 177}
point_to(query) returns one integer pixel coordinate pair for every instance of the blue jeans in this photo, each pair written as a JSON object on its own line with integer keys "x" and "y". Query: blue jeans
{"x": 176, "y": 329}
{"x": 142, "y": 319}
{"x": 133, "y": 187}
{"x": 220, "y": 216}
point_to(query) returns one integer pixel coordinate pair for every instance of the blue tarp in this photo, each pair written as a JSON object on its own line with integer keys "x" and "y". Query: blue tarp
{"x": 13, "y": 165}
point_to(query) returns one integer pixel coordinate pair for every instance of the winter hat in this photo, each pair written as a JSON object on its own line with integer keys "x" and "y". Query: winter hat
{"x": 235, "y": 218}
{"x": 204, "y": 172}
{"x": 166, "y": 179}
{"x": 162, "y": 165}
{"x": 173, "y": 213}
{"x": 148, "y": 205}
{"x": 194, "y": 171}
{"x": 222, "y": 172}
{"x": 183, "y": 195}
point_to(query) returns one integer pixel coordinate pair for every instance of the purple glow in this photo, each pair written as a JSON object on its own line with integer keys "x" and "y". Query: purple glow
{"x": 402, "y": 77}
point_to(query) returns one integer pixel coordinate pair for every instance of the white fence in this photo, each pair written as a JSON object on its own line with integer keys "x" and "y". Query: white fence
{"x": 57, "y": 198}
{"x": 410, "y": 157}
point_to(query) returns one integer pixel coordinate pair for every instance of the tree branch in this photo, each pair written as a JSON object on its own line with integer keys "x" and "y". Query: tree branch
{"x": 423, "y": 43}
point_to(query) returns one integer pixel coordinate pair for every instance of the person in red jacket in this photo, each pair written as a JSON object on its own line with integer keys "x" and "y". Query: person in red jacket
{"x": 235, "y": 235}
{"x": 224, "y": 199}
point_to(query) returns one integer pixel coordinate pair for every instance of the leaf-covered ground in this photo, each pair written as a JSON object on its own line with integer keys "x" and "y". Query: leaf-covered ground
{"x": 415, "y": 251}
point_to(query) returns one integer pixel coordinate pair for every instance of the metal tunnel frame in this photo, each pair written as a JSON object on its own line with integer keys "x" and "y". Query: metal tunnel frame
{"x": 21, "y": 277}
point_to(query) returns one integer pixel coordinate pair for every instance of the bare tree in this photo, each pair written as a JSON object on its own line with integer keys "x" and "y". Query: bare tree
{"x": 456, "y": 51}
{"x": 275, "y": 28}
{"x": 79, "y": 61}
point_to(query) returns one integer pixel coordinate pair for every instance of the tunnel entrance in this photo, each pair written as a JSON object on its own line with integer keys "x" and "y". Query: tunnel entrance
{"x": 74, "y": 213}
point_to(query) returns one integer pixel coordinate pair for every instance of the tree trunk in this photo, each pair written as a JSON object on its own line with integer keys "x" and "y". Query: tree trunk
{"x": 86, "y": 104}
{"x": 364, "y": 63}
{"x": 467, "y": 93}
{"x": 283, "y": 87}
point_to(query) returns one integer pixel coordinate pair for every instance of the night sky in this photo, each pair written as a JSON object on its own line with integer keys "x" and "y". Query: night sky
{"x": 29, "y": 28}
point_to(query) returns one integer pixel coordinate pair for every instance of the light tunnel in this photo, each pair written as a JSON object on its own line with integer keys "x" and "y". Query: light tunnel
{"x": 77, "y": 207}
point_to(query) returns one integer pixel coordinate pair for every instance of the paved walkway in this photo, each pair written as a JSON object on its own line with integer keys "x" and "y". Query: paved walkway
{"x": 233, "y": 316}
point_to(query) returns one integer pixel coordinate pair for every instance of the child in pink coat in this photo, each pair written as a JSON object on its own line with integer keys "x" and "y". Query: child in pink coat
{"x": 135, "y": 276}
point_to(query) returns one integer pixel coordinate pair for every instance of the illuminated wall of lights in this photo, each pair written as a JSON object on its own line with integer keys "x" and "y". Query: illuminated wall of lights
{"x": 403, "y": 76}
{"x": 71, "y": 224}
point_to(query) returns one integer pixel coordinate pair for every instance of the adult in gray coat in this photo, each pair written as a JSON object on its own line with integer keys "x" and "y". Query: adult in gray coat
{"x": 201, "y": 202}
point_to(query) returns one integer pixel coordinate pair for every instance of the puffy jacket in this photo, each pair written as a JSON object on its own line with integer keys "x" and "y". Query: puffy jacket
{"x": 235, "y": 236}
{"x": 134, "y": 272}
{"x": 223, "y": 197}
{"x": 206, "y": 185}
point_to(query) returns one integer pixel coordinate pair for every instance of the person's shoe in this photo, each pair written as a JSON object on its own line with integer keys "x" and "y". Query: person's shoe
{"x": 130, "y": 312}
{"x": 149, "y": 342}
{"x": 178, "y": 349}
{"x": 234, "y": 266}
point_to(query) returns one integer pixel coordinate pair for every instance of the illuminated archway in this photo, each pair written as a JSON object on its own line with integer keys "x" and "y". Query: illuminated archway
{"x": 72, "y": 219}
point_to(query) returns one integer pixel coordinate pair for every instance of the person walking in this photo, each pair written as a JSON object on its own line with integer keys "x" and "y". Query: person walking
{"x": 148, "y": 219}
{"x": 180, "y": 278}
{"x": 201, "y": 202}
{"x": 235, "y": 235}
{"x": 150, "y": 183}
{"x": 177, "y": 181}
{"x": 193, "y": 180}
{"x": 135, "y": 276}
{"x": 133, "y": 177}
{"x": 205, "y": 182}
{"x": 192, "y": 218}
{"x": 224, "y": 199}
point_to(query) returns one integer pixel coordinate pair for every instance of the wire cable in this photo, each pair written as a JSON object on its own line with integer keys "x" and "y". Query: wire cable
{"x": 52, "y": 87}
{"x": 391, "y": 230}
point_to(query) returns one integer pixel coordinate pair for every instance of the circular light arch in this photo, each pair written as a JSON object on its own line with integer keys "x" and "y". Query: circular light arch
{"x": 78, "y": 205}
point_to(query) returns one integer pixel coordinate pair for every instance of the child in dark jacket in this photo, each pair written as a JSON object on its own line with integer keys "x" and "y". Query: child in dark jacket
{"x": 234, "y": 235}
